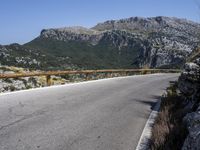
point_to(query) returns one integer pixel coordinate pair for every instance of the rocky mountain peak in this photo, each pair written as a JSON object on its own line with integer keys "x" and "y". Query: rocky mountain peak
{"x": 151, "y": 24}
{"x": 76, "y": 33}
{"x": 157, "y": 42}
{"x": 78, "y": 30}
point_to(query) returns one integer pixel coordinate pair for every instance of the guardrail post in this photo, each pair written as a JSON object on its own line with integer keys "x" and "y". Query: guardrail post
{"x": 48, "y": 80}
{"x": 97, "y": 76}
{"x": 87, "y": 77}
{"x": 109, "y": 75}
{"x": 125, "y": 73}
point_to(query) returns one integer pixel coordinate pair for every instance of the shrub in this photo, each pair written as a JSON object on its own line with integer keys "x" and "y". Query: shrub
{"x": 169, "y": 132}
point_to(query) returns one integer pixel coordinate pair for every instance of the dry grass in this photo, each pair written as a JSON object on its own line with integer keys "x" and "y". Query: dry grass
{"x": 169, "y": 132}
{"x": 194, "y": 55}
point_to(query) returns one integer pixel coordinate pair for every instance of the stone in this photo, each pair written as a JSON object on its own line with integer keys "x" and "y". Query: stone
{"x": 191, "y": 67}
{"x": 185, "y": 86}
{"x": 189, "y": 86}
{"x": 192, "y": 141}
{"x": 197, "y": 61}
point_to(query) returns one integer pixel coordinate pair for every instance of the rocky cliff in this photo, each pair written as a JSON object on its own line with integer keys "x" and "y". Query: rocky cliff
{"x": 189, "y": 85}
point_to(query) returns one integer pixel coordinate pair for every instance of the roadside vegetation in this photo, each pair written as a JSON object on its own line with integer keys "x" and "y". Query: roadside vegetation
{"x": 169, "y": 132}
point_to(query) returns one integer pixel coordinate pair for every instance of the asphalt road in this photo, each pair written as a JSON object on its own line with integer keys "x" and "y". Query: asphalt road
{"x": 107, "y": 114}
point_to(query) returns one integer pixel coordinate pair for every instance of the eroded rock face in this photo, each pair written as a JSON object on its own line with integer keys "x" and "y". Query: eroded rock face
{"x": 160, "y": 23}
{"x": 189, "y": 85}
{"x": 72, "y": 34}
{"x": 189, "y": 81}
{"x": 192, "y": 141}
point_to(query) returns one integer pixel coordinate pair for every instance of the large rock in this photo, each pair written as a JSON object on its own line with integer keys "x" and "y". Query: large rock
{"x": 197, "y": 61}
{"x": 189, "y": 81}
{"x": 191, "y": 67}
{"x": 189, "y": 85}
{"x": 192, "y": 141}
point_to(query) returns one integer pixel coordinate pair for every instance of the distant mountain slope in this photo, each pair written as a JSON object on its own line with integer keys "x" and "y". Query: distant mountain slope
{"x": 158, "y": 42}
{"x": 21, "y": 56}
{"x": 16, "y": 54}
{"x": 89, "y": 52}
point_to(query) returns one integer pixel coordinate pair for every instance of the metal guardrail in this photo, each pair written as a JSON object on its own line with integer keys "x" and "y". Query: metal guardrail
{"x": 48, "y": 74}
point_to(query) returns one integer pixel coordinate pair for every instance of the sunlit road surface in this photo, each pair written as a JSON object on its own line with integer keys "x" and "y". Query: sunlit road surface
{"x": 107, "y": 114}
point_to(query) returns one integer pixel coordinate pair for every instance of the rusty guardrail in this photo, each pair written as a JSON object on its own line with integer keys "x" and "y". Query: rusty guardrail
{"x": 48, "y": 74}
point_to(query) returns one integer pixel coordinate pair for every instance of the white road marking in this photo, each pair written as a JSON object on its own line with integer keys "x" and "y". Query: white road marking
{"x": 143, "y": 143}
{"x": 70, "y": 84}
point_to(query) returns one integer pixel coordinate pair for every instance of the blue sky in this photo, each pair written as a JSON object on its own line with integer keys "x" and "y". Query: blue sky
{"x": 22, "y": 20}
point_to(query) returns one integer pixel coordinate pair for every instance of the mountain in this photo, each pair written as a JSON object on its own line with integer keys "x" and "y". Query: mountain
{"x": 157, "y": 42}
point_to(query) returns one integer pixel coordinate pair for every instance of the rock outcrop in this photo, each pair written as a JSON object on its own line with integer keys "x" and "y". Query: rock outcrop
{"x": 189, "y": 85}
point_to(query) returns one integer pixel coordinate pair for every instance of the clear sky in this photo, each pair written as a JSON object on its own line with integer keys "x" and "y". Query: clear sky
{"x": 22, "y": 20}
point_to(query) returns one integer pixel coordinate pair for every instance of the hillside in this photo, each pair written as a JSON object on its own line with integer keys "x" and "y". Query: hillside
{"x": 21, "y": 56}
{"x": 157, "y": 42}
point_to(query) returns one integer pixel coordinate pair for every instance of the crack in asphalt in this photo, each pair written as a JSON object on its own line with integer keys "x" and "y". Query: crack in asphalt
{"x": 38, "y": 113}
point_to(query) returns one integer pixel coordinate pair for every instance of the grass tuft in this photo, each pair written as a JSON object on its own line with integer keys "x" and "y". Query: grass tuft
{"x": 169, "y": 132}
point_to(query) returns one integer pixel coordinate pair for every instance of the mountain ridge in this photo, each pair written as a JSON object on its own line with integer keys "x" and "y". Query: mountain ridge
{"x": 135, "y": 42}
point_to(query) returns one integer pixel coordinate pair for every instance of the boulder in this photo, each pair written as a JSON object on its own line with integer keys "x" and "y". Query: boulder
{"x": 189, "y": 86}
{"x": 192, "y": 141}
{"x": 197, "y": 61}
{"x": 191, "y": 67}
{"x": 188, "y": 82}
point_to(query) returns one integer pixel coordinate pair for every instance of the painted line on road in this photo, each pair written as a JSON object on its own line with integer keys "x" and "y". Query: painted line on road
{"x": 144, "y": 141}
{"x": 70, "y": 84}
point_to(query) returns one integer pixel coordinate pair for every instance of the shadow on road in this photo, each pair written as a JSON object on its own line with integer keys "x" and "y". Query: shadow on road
{"x": 151, "y": 102}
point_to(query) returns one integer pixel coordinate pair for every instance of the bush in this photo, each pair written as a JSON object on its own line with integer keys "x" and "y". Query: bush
{"x": 169, "y": 132}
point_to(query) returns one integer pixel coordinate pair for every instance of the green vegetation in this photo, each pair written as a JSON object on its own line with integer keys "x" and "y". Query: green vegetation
{"x": 84, "y": 55}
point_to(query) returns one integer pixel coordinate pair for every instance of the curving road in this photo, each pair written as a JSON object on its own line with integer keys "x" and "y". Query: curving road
{"x": 107, "y": 114}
